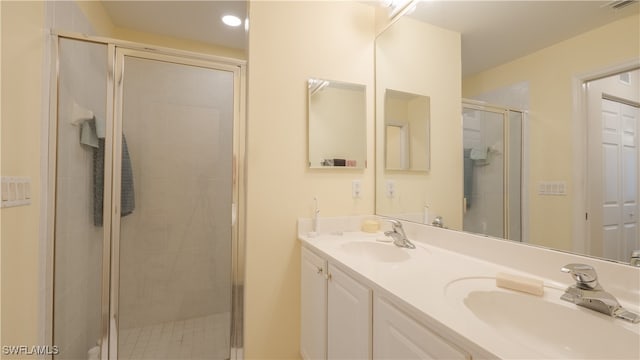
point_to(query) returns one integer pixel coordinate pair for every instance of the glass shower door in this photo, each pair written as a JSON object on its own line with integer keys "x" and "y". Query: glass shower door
{"x": 175, "y": 155}
{"x": 78, "y": 325}
{"x": 484, "y": 179}
{"x": 493, "y": 152}
{"x": 514, "y": 183}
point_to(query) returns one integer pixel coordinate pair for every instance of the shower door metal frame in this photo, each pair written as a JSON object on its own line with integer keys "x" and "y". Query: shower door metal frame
{"x": 504, "y": 112}
{"x": 111, "y": 233}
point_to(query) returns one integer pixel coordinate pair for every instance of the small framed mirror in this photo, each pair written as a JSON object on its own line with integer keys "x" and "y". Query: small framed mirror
{"x": 407, "y": 131}
{"x": 337, "y": 115}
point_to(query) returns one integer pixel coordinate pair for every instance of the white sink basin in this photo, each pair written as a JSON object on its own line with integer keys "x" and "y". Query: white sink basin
{"x": 377, "y": 251}
{"x": 548, "y": 325}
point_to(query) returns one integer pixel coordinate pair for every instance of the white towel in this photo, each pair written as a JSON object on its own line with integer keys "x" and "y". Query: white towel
{"x": 478, "y": 153}
{"x": 88, "y": 135}
{"x": 100, "y": 127}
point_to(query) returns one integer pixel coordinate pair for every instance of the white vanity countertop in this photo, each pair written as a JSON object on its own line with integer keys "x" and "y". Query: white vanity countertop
{"x": 419, "y": 280}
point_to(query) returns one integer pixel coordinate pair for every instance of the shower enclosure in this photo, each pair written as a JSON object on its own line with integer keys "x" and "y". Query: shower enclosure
{"x": 492, "y": 140}
{"x": 147, "y": 261}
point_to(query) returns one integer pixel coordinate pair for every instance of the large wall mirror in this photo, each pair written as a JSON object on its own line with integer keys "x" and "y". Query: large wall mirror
{"x": 534, "y": 121}
{"x": 337, "y": 124}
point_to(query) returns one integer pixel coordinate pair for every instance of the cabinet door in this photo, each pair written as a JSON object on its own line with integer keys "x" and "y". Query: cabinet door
{"x": 397, "y": 336}
{"x": 349, "y": 317}
{"x": 313, "y": 313}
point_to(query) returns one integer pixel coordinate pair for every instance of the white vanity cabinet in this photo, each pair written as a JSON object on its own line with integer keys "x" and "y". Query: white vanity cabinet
{"x": 397, "y": 335}
{"x": 335, "y": 312}
{"x": 348, "y": 317}
{"x": 313, "y": 306}
{"x": 341, "y": 318}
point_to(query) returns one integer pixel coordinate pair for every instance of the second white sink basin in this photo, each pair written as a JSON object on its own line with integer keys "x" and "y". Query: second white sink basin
{"x": 548, "y": 325}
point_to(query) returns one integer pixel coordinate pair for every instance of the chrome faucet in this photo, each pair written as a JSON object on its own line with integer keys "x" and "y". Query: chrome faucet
{"x": 438, "y": 222}
{"x": 635, "y": 258}
{"x": 588, "y": 293}
{"x": 398, "y": 235}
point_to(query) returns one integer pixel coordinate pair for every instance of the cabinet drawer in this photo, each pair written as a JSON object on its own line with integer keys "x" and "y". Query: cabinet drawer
{"x": 396, "y": 335}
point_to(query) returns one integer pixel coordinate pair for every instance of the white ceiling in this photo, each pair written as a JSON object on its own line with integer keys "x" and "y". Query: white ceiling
{"x": 193, "y": 20}
{"x": 493, "y": 32}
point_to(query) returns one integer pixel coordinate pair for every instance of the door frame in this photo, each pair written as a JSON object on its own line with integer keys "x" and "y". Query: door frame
{"x": 108, "y": 346}
{"x": 581, "y": 242}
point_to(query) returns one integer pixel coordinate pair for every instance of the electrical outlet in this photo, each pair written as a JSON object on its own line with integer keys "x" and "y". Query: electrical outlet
{"x": 391, "y": 188}
{"x": 356, "y": 188}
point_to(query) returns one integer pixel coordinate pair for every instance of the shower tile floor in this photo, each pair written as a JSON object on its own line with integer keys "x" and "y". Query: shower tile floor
{"x": 196, "y": 338}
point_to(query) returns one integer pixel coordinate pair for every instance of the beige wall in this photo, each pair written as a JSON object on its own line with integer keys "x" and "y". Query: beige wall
{"x": 97, "y": 16}
{"x": 289, "y": 43}
{"x": 549, "y": 73}
{"x": 175, "y": 43}
{"x": 420, "y": 58}
{"x": 22, "y": 39}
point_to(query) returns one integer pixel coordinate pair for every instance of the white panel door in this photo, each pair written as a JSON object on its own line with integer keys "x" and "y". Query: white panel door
{"x": 619, "y": 195}
{"x": 313, "y": 313}
{"x": 349, "y": 317}
{"x": 630, "y": 240}
{"x": 397, "y": 335}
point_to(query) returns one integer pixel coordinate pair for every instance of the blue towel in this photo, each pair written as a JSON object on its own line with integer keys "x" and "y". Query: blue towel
{"x": 127, "y": 195}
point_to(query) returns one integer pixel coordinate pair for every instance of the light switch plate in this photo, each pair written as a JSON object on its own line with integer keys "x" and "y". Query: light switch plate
{"x": 16, "y": 191}
{"x": 556, "y": 188}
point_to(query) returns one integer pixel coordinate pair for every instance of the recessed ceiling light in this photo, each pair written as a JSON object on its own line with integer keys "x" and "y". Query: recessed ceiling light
{"x": 231, "y": 20}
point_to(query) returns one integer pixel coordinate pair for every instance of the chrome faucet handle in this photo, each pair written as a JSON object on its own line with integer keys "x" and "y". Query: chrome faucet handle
{"x": 584, "y": 275}
{"x": 398, "y": 234}
{"x": 396, "y": 225}
{"x": 394, "y": 222}
{"x": 635, "y": 258}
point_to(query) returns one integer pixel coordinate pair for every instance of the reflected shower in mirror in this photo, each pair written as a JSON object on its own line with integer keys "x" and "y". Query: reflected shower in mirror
{"x": 576, "y": 149}
{"x": 337, "y": 124}
{"x": 406, "y": 131}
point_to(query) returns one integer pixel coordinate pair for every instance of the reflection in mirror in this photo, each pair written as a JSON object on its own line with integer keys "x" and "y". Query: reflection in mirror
{"x": 396, "y": 146}
{"x": 406, "y": 131}
{"x": 492, "y": 166}
{"x": 337, "y": 124}
{"x": 412, "y": 57}
{"x": 576, "y": 149}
